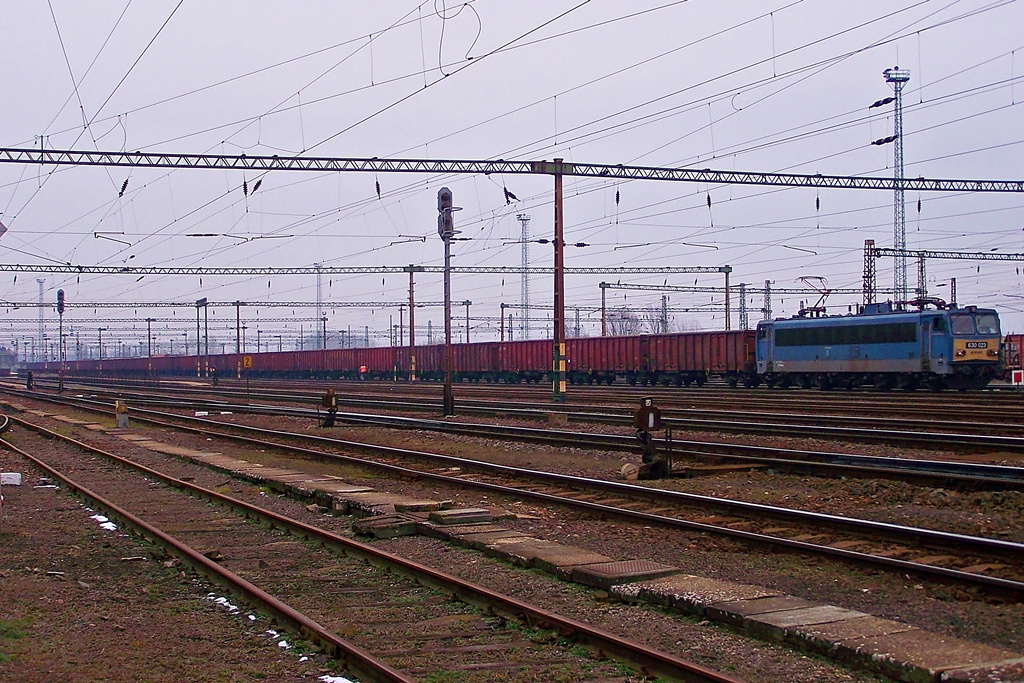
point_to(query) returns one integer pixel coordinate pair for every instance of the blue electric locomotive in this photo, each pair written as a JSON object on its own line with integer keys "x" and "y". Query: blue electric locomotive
{"x": 956, "y": 348}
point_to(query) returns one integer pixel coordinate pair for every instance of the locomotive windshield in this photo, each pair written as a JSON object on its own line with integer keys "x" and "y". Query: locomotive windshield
{"x": 982, "y": 323}
{"x": 988, "y": 323}
{"x": 961, "y": 324}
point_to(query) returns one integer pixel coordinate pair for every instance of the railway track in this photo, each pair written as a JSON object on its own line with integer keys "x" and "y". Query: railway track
{"x": 963, "y": 475}
{"x": 998, "y": 436}
{"x": 988, "y": 564}
{"x": 423, "y": 624}
{"x": 1003, "y": 406}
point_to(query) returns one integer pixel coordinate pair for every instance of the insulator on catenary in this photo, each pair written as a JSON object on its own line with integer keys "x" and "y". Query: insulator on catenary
{"x": 124, "y": 186}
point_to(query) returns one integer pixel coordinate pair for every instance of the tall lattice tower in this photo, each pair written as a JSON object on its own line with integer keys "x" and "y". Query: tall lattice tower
{"x": 898, "y": 78}
{"x": 41, "y": 342}
{"x": 524, "y": 293}
{"x": 319, "y": 305}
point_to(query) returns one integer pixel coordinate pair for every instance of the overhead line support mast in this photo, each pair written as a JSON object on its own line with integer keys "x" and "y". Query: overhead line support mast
{"x": 557, "y": 168}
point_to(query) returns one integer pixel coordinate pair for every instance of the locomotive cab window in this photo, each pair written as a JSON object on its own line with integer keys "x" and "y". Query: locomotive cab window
{"x": 939, "y": 326}
{"x": 962, "y": 324}
{"x": 987, "y": 323}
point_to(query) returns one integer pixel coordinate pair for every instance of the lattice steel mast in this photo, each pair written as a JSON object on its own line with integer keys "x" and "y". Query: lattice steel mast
{"x": 319, "y": 300}
{"x": 41, "y": 343}
{"x": 524, "y": 294}
{"x": 898, "y": 78}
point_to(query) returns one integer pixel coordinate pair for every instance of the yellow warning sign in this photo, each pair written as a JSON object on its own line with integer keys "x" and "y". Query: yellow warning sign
{"x": 246, "y": 361}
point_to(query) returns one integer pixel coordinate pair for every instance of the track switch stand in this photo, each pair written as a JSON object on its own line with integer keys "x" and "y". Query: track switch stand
{"x": 330, "y": 405}
{"x": 648, "y": 419}
{"x": 121, "y": 413}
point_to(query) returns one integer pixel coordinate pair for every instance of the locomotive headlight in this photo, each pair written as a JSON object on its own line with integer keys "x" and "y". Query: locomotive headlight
{"x": 993, "y": 352}
{"x": 960, "y": 353}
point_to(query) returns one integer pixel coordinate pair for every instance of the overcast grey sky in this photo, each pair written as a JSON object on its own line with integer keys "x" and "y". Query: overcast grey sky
{"x": 759, "y": 86}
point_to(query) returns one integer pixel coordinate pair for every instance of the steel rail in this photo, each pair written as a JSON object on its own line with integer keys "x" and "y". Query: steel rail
{"x": 355, "y": 658}
{"x": 801, "y": 424}
{"x": 875, "y": 529}
{"x": 914, "y": 470}
{"x": 946, "y": 540}
{"x": 651, "y": 661}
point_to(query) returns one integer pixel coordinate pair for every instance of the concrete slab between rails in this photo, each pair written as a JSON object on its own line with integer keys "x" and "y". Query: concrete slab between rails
{"x": 69, "y": 420}
{"x": 607, "y": 574}
{"x": 994, "y": 672}
{"x": 177, "y": 451}
{"x": 325, "y": 489}
{"x": 95, "y": 427}
{"x": 690, "y": 594}
{"x": 862, "y": 641}
{"x": 466, "y": 534}
{"x": 481, "y": 541}
{"x": 128, "y": 436}
{"x": 461, "y": 516}
{"x": 736, "y": 612}
{"x": 548, "y": 556}
{"x": 386, "y": 526}
{"x": 376, "y": 502}
{"x": 923, "y": 657}
{"x": 461, "y": 530}
{"x": 307, "y": 485}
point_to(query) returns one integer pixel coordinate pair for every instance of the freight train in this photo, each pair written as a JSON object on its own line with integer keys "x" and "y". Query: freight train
{"x": 957, "y": 348}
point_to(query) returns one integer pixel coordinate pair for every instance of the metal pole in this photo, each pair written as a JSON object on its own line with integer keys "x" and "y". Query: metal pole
{"x": 60, "y": 353}
{"x": 604, "y": 310}
{"x": 467, "y": 304}
{"x": 206, "y": 339}
{"x": 238, "y": 327}
{"x": 449, "y": 398}
{"x": 502, "y": 317}
{"x": 199, "y": 367}
{"x": 446, "y": 229}
{"x": 558, "y": 345}
{"x": 412, "y": 321}
{"x": 728, "y": 314}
